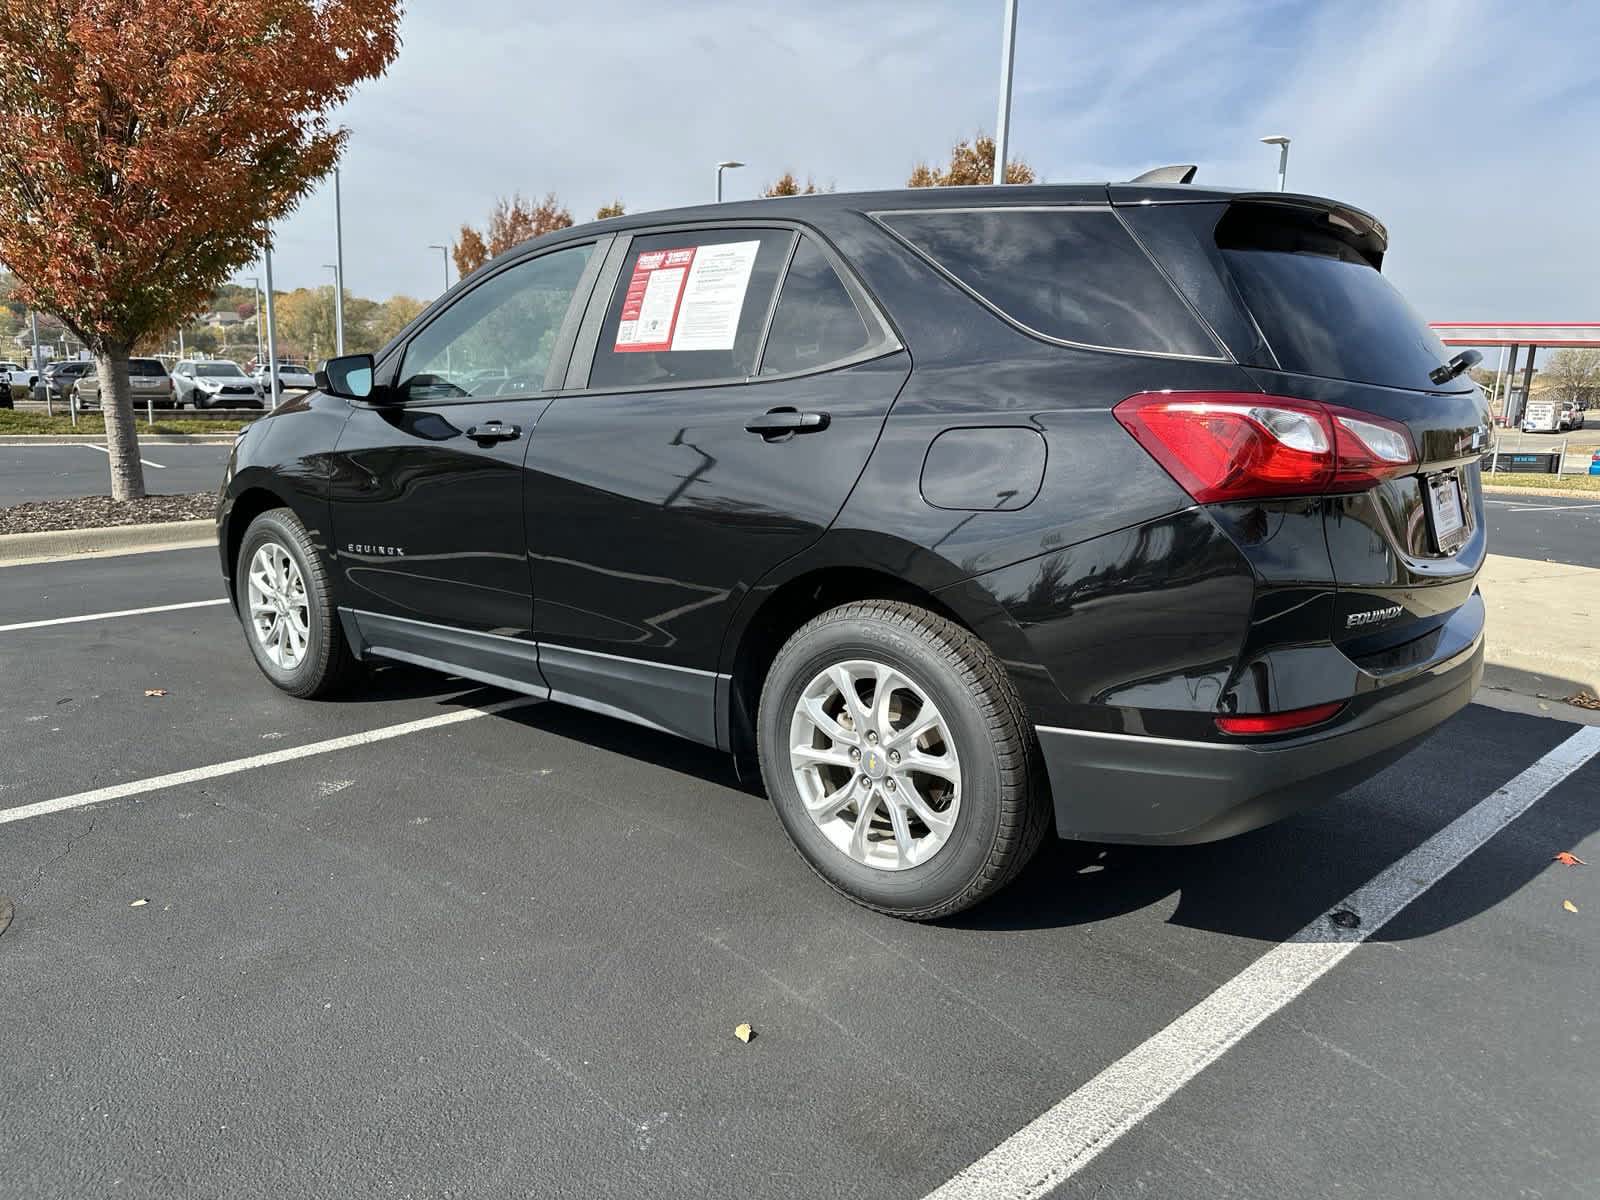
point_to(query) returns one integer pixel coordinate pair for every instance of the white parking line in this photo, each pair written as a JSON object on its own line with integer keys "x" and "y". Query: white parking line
{"x": 107, "y": 453}
{"x": 106, "y": 616}
{"x": 1060, "y": 1143}
{"x": 1553, "y": 507}
{"x": 139, "y": 787}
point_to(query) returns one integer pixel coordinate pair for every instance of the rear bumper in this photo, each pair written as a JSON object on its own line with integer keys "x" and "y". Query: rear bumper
{"x": 1116, "y": 787}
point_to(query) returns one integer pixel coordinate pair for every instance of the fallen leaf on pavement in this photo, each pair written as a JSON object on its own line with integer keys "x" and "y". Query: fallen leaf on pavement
{"x": 137, "y": 903}
{"x": 155, "y": 691}
{"x": 1568, "y": 859}
{"x": 1584, "y": 700}
{"x": 743, "y": 1032}
{"x": 1569, "y": 906}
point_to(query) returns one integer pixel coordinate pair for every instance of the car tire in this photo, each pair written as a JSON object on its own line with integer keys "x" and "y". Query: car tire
{"x": 309, "y": 656}
{"x": 995, "y": 800}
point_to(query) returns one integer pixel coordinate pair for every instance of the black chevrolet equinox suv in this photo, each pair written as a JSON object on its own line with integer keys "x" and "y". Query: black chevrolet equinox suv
{"x": 1148, "y": 512}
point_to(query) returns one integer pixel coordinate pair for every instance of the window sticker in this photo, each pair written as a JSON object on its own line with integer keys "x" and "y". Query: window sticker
{"x": 650, "y": 309}
{"x": 689, "y": 298}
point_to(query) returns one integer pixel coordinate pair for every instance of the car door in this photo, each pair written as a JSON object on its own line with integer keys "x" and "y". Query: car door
{"x": 728, "y": 385}
{"x": 426, "y": 487}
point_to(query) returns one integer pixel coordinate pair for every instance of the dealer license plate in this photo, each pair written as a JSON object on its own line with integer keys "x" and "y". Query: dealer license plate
{"x": 1445, "y": 510}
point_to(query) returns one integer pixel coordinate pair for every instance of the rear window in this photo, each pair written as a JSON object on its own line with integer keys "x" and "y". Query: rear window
{"x": 1322, "y": 304}
{"x": 1074, "y": 275}
{"x": 145, "y": 367}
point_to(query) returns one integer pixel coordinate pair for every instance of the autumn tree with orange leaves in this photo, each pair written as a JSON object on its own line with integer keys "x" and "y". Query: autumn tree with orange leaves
{"x": 788, "y": 185}
{"x": 970, "y": 163}
{"x": 146, "y": 146}
{"x": 513, "y": 221}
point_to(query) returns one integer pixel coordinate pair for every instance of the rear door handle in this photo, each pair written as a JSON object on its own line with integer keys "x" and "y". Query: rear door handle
{"x": 784, "y": 422}
{"x": 494, "y": 431}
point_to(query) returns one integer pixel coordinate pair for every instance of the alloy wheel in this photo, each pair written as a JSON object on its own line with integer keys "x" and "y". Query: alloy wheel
{"x": 876, "y": 765}
{"x": 280, "y": 615}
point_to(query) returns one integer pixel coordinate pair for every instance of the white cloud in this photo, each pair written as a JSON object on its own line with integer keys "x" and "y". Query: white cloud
{"x": 1461, "y": 125}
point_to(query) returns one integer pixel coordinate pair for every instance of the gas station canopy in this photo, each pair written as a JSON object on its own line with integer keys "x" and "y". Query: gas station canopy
{"x": 1583, "y": 334}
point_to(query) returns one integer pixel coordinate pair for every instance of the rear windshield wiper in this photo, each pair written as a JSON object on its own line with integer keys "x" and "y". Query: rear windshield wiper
{"x": 1445, "y": 372}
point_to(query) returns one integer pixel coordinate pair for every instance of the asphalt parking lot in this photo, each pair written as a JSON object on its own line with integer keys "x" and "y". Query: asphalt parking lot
{"x": 423, "y": 950}
{"x": 1563, "y": 529}
{"x": 59, "y": 472}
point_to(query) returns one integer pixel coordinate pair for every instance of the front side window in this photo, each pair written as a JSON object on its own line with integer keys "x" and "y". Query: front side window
{"x": 689, "y": 307}
{"x": 1075, "y": 275}
{"x": 497, "y": 339}
{"x": 816, "y": 322}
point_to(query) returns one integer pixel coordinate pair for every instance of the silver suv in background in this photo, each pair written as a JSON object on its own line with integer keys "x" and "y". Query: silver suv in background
{"x": 215, "y": 383}
{"x": 148, "y": 381}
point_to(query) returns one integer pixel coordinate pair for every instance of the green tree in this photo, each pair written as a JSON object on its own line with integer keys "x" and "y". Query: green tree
{"x": 788, "y": 185}
{"x": 614, "y": 209}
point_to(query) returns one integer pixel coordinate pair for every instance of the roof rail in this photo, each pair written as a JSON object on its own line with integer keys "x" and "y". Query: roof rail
{"x": 1177, "y": 173}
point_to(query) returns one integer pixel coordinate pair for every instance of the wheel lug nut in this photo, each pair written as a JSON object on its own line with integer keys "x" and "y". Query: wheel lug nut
{"x": 871, "y": 736}
{"x": 865, "y": 782}
{"x": 855, "y": 754}
{"x": 894, "y": 756}
{"x": 889, "y": 784}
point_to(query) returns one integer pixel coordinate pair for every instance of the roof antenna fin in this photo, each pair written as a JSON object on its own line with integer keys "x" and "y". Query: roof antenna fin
{"x": 1177, "y": 173}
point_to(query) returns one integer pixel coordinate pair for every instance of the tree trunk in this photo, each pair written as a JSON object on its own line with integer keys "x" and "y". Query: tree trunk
{"x": 116, "y": 405}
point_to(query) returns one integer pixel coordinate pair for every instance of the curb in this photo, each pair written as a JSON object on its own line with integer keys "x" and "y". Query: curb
{"x": 1495, "y": 489}
{"x": 18, "y": 549}
{"x": 145, "y": 439}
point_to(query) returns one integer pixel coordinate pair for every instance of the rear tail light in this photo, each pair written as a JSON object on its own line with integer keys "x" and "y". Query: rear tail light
{"x": 1242, "y": 445}
{"x": 1280, "y": 722}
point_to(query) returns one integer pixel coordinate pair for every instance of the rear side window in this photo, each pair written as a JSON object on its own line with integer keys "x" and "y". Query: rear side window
{"x": 146, "y": 367}
{"x": 1322, "y": 304}
{"x": 689, "y": 307}
{"x": 816, "y": 322}
{"x": 1074, "y": 275}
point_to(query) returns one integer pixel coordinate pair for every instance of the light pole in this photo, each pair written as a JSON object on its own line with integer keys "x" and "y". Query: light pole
{"x": 1002, "y": 125}
{"x": 725, "y": 165}
{"x": 444, "y": 252}
{"x": 1282, "y": 143}
{"x": 338, "y": 269}
{"x": 272, "y": 329}
{"x": 255, "y": 291}
{"x": 338, "y": 306}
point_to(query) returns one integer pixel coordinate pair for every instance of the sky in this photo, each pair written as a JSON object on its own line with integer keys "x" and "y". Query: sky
{"x": 1466, "y": 126}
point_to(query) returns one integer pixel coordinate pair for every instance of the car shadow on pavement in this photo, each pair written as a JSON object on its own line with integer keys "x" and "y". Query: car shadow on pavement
{"x": 1273, "y": 882}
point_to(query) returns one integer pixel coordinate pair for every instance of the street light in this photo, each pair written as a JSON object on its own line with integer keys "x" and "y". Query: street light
{"x": 1282, "y": 143}
{"x": 272, "y": 326}
{"x": 1002, "y": 125}
{"x": 338, "y": 270}
{"x": 444, "y": 252}
{"x": 338, "y": 306}
{"x": 721, "y": 167}
{"x": 255, "y": 284}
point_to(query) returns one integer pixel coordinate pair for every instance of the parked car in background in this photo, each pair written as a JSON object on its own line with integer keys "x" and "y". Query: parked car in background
{"x": 1146, "y": 514}
{"x": 148, "y": 382}
{"x": 215, "y": 383}
{"x": 59, "y": 377}
{"x": 1572, "y": 414}
{"x": 292, "y": 376}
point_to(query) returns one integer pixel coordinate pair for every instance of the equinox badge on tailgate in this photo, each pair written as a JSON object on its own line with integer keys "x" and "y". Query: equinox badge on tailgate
{"x": 1374, "y": 616}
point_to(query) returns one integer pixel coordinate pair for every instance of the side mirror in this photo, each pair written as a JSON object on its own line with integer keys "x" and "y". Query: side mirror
{"x": 349, "y": 376}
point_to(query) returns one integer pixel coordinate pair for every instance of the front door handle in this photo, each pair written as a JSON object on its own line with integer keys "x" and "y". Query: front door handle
{"x": 779, "y": 423}
{"x": 494, "y": 431}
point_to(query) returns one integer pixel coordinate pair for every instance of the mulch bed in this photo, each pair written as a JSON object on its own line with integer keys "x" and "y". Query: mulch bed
{"x": 93, "y": 512}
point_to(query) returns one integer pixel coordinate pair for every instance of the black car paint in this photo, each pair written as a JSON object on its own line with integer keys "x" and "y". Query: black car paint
{"x": 631, "y": 551}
